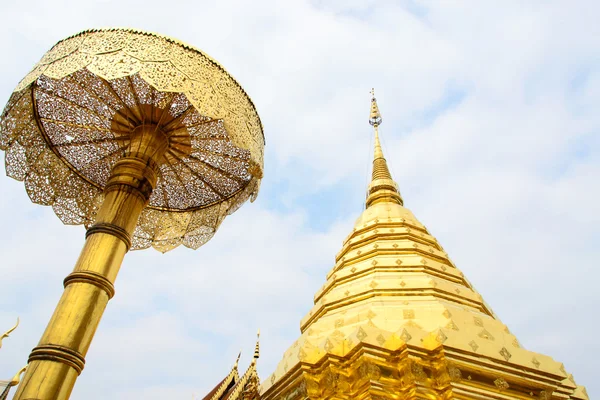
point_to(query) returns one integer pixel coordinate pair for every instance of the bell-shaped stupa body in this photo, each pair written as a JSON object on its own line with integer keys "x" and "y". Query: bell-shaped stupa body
{"x": 397, "y": 320}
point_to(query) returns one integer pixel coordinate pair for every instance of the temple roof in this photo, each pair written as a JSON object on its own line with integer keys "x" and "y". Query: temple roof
{"x": 234, "y": 387}
{"x": 225, "y": 385}
{"x": 394, "y": 288}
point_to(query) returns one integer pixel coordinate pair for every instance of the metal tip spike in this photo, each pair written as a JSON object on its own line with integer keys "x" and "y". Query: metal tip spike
{"x": 257, "y": 348}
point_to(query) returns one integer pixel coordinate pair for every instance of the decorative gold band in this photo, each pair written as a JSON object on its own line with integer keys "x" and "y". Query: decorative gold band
{"x": 111, "y": 230}
{"x": 92, "y": 278}
{"x": 61, "y": 354}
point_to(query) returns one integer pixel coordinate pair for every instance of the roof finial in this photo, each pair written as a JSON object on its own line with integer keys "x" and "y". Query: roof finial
{"x": 257, "y": 348}
{"x": 382, "y": 187}
{"x": 237, "y": 360}
{"x": 8, "y": 332}
{"x": 17, "y": 378}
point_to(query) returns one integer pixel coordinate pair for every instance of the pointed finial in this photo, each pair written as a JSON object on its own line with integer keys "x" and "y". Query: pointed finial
{"x": 382, "y": 187}
{"x": 8, "y": 332}
{"x": 237, "y": 360}
{"x": 257, "y": 348}
{"x": 375, "y": 116}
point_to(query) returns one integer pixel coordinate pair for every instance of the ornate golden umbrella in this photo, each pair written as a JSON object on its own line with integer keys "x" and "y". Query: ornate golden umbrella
{"x": 144, "y": 140}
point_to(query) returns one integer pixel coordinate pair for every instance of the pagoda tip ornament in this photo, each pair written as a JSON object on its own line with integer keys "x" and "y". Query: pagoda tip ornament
{"x": 382, "y": 187}
{"x": 375, "y": 117}
{"x": 144, "y": 140}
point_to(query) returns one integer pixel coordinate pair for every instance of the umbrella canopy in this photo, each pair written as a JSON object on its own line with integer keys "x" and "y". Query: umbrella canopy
{"x": 72, "y": 117}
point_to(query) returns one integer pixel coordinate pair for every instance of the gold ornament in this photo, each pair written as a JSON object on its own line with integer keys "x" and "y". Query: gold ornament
{"x": 144, "y": 140}
{"x": 73, "y": 116}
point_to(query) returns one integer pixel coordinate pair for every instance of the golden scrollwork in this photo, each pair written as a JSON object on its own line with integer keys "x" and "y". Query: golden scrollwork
{"x": 8, "y": 332}
{"x": 5, "y": 386}
{"x": 71, "y": 118}
{"x": 17, "y": 377}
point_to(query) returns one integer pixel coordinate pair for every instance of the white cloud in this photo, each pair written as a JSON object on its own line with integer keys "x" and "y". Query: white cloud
{"x": 506, "y": 178}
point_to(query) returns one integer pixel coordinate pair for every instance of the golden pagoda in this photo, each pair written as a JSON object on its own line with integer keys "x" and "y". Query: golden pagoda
{"x": 397, "y": 320}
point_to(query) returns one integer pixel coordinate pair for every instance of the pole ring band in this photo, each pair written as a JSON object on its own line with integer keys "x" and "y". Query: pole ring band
{"x": 61, "y": 354}
{"x": 111, "y": 229}
{"x": 93, "y": 278}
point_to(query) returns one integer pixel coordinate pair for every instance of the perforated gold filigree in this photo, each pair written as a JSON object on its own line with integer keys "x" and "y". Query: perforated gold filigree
{"x": 69, "y": 121}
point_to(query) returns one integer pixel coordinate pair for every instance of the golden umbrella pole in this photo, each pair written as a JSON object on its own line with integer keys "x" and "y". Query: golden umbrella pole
{"x": 145, "y": 140}
{"x": 59, "y": 358}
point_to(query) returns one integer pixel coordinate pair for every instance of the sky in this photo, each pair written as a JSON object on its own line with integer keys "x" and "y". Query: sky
{"x": 490, "y": 127}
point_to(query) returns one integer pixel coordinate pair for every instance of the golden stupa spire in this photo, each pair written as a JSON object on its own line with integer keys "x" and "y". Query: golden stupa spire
{"x": 382, "y": 187}
{"x": 397, "y": 319}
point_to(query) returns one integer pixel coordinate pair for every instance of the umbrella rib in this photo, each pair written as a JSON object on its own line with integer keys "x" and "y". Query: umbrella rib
{"x": 164, "y": 191}
{"x": 21, "y": 130}
{"x": 184, "y": 187}
{"x": 221, "y": 154}
{"x": 103, "y": 101}
{"x": 190, "y": 126}
{"x": 136, "y": 98}
{"x": 178, "y": 118}
{"x": 104, "y": 156}
{"x": 74, "y": 125}
{"x": 219, "y": 170}
{"x": 85, "y": 142}
{"x": 206, "y": 122}
{"x": 76, "y": 105}
{"x": 125, "y": 106}
{"x": 152, "y": 102}
{"x": 8, "y": 110}
{"x": 32, "y": 117}
{"x": 46, "y": 147}
{"x": 178, "y": 177}
{"x": 69, "y": 101}
{"x": 197, "y": 175}
{"x": 164, "y": 111}
{"x": 199, "y": 138}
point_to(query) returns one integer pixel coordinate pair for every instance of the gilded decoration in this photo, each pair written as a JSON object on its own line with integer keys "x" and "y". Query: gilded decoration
{"x": 234, "y": 387}
{"x": 8, "y": 332}
{"x": 144, "y": 140}
{"x": 72, "y": 117}
{"x": 396, "y": 319}
{"x": 5, "y": 386}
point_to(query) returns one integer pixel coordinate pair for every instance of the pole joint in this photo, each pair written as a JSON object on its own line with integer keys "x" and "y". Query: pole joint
{"x": 61, "y": 354}
{"x": 111, "y": 229}
{"x": 91, "y": 278}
